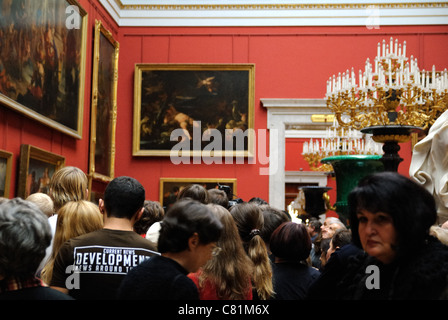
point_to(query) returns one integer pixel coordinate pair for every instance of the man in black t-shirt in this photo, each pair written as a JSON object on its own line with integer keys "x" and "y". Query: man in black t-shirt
{"x": 93, "y": 265}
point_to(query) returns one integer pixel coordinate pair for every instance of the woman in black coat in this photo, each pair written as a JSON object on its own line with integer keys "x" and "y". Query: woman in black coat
{"x": 390, "y": 218}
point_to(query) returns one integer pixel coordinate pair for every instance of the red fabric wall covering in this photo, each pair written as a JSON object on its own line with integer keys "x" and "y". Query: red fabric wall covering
{"x": 291, "y": 62}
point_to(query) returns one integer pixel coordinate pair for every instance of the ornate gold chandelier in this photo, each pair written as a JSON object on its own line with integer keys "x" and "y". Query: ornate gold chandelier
{"x": 393, "y": 90}
{"x": 390, "y": 98}
{"x": 338, "y": 141}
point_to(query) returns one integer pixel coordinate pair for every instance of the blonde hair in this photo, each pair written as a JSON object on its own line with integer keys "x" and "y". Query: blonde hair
{"x": 249, "y": 220}
{"x": 75, "y": 218}
{"x": 231, "y": 270}
{"x": 68, "y": 184}
{"x": 43, "y": 201}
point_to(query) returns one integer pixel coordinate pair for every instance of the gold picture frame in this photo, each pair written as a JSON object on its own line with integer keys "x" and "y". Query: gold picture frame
{"x": 5, "y": 173}
{"x": 96, "y": 189}
{"x": 43, "y": 50}
{"x": 104, "y": 104}
{"x": 200, "y": 107}
{"x": 36, "y": 168}
{"x": 167, "y": 186}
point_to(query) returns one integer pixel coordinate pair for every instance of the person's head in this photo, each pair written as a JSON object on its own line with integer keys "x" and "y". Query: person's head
{"x": 189, "y": 227}
{"x": 75, "y": 218}
{"x": 152, "y": 212}
{"x": 340, "y": 238}
{"x": 390, "y": 215}
{"x": 219, "y": 197}
{"x": 324, "y": 246}
{"x": 291, "y": 242}
{"x": 68, "y": 184}
{"x": 229, "y": 241}
{"x": 272, "y": 219}
{"x": 123, "y": 198}
{"x": 195, "y": 192}
{"x": 24, "y": 236}
{"x": 314, "y": 226}
{"x": 330, "y": 225}
{"x": 231, "y": 268}
{"x": 258, "y": 201}
{"x": 249, "y": 220}
{"x": 43, "y": 201}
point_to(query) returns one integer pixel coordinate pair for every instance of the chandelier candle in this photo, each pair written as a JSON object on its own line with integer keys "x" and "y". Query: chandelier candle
{"x": 391, "y": 91}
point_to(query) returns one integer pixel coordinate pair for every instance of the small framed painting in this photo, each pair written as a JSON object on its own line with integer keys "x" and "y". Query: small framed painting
{"x": 170, "y": 187}
{"x": 37, "y": 166}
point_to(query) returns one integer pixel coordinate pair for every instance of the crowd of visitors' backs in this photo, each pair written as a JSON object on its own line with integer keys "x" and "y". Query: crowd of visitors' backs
{"x": 61, "y": 246}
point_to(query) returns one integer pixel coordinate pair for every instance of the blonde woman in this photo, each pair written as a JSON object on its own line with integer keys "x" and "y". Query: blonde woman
{"x": 68, "y": 184}
{"x": 75, "y": 218}
{"x": 227, "y": 276}
{"x": 249, "y": 220}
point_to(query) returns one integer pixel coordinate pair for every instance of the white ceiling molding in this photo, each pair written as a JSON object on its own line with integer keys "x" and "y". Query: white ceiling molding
{"x": 184, "y": 13}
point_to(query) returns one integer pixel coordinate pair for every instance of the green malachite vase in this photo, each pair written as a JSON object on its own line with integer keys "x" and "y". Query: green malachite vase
{"x": 348, "y": 170}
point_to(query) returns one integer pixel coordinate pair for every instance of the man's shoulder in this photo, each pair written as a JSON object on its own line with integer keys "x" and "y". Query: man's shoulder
{"x": 111, "y": 238}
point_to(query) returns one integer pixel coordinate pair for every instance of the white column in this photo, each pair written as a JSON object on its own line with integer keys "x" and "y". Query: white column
{"x": 280, "y": 114}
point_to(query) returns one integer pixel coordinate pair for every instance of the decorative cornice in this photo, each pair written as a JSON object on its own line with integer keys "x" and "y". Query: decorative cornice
{"x": 276, "y": 12}
{"x": 283, "y": 6}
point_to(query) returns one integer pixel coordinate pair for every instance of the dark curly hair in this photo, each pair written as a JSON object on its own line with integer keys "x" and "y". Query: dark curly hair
{"x": 411, "y": 206}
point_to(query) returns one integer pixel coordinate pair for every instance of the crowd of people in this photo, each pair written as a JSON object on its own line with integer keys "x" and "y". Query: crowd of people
{"x": 205, "y": 247}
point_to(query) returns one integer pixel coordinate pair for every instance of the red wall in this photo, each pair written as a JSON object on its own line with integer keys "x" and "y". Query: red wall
{"x": 290, "y": 62}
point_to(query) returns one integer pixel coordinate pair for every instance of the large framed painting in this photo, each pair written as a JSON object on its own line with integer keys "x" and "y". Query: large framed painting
{"x": 37, "y": 166}
{"x": 5, "y": 173}
{"x": 170, "y": 187}
{"x": 42, "y": 61}
{"x": 193, "y": 109}
{"x": 104, "y": 104}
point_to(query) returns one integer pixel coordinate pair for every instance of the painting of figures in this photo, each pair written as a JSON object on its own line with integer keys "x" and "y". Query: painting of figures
{"x": 42, "y": 61}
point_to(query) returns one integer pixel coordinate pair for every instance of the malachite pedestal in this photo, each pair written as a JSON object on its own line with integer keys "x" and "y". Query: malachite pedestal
{"x": 349, "y": 170}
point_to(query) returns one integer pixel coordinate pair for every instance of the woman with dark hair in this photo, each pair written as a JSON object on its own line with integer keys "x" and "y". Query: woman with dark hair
{"x": 390, "y": 218}
{"x": 291, "y": 246}
{"x": 195, "y": 192}
{"x": 188, "y": 236}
